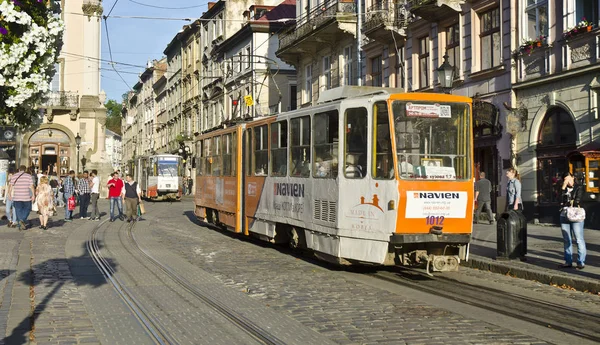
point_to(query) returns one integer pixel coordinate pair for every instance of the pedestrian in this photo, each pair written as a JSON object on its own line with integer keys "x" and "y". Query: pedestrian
{"x": 132, "y": 196}
{"x": 190, "y": 185}
{"x": 68, "y": 192}
{"x": 483, "y": 190}
{"x": 185, "y": 185}
{"x": 60, "y": 195}
{"x": 44, "y": 201}
{"x": 83, "y": 189}
{"x": 571, "y": 197}
{"x": 11, "y": 213}
{"x": 513, "y": 191}
{"x": 95, "y": 195}
{"x": 22, "y": 193}
{"x": 115, "y": 191}
{"x": 54, "y": 185}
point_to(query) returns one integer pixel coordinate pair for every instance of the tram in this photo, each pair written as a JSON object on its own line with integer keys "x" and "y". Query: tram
{"x": 367, "y": 176}
{"x": 160, "y": 176}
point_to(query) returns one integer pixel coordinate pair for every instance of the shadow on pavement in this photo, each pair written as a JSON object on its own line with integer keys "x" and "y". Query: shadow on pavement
{"x": 55, "y": 273}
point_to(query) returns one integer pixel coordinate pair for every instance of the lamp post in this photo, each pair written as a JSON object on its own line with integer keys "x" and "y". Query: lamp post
{"x": 78, "y": 143}
{"x": 83, "y": 161}
{"x": 184, "y": 151}
{"x": 446, "y": 74}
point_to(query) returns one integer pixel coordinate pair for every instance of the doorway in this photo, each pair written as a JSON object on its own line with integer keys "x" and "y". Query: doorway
{"x": 486, "y": 160}
{"x": 48, "y": 160}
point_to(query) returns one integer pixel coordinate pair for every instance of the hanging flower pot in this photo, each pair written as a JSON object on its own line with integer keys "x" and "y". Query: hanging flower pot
{"x": 538, "y": 44}
{"x": 589, "y": 28}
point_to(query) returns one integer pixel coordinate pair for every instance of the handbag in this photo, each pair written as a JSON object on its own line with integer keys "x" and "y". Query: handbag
{"x": 141, "y": 208}
{"x": 34, "y": 206}
{"x": 71, "y": 203}
{"x": 575, "y": 214}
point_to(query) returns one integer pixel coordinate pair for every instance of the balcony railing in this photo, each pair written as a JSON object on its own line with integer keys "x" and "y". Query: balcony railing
{"x": 314, "y": 19}
{"x": 393, "y": 14}
{"x": 62, "y": 99}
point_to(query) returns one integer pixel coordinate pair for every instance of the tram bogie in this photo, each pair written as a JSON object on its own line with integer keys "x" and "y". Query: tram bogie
{"x": 374, "y": 178}
{"x": 160, "y": 176}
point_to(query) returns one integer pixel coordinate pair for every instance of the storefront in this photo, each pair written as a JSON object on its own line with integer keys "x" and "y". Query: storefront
{"x": 50, "y": 148}
{"x": 487, "y": 131}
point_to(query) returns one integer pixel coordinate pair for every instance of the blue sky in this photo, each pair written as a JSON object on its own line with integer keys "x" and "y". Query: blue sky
{"x": 136, "y": 41}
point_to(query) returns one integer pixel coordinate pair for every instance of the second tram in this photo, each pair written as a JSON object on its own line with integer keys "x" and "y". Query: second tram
{"x": 160, "y": 176}
{"x": 365, "y": 176}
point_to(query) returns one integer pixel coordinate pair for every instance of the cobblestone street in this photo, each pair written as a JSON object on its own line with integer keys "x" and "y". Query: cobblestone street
{"x": 51, "y": 285}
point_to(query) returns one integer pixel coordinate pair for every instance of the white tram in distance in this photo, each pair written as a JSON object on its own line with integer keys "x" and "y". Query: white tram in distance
{"x": 160, "y": 176}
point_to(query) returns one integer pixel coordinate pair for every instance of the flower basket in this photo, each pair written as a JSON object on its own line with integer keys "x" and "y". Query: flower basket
{"x": 582, "y": 27}
{"x": 529, "y": 45}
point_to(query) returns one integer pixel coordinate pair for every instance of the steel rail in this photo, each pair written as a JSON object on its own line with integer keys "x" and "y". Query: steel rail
{"x": 239, "y": 320}
{"x": 484, "y": 297}
{"x": 152, "y": 326}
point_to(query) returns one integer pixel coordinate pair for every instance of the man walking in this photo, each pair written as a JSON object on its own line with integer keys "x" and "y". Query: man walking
{"x": 95, "y": 195}
{"x": 483, "y": 189}
{"x": 68, "y": 191}
{"x": 132, "y": 197}
{"x": 83, "y": 188}
{"x": 22, "y": 194}
{"x": 115, "y": 190}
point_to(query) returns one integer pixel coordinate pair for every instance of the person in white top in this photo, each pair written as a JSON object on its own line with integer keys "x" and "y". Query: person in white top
{"x": 95, "y": 195}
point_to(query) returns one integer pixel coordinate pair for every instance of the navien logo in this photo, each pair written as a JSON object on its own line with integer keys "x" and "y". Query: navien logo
{"x": 430, "y": 195}
{"x": 289, "y": 189}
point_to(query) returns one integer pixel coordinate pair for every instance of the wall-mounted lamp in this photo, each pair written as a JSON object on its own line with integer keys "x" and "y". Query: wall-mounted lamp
{"x": 50, "y": 133}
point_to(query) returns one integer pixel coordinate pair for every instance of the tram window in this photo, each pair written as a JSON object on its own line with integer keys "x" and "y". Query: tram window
{"x": 246, "y": 147}
{"x": 234, "y": 154}
{"x": 300, "y": 147}
{"x": 227, "y": 155}
{"x": 216, "y": 156}
{"x": 200, "y": 158}
{"x": 383, "y": 165}
{"x": 325, "y": 128}
{"x": 279, "y": 148}
{"x": 207, "y": 158}
{"x": 261, "y": 150}
{"x": 355, "y": 164}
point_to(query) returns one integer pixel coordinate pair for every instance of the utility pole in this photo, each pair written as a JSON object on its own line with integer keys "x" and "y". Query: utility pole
{"x": 358, "y": 42}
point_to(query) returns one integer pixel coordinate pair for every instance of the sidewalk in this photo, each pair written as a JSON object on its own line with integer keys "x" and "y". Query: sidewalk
{"x": 544, "y": 255}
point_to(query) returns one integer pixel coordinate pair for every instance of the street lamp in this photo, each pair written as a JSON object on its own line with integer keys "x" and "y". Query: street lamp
{"x": 446, "y": 74}
{"x": 83, "y": 161}
{"x": 78, "y": 143}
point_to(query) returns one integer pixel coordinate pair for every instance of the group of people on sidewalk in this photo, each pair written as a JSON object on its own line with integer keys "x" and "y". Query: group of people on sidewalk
{"x": 24, "y": 195}
{"x": 571, "y": 193}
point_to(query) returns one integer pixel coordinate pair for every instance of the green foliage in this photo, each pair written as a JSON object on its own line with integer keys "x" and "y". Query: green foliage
{"x": 113, "y": 115}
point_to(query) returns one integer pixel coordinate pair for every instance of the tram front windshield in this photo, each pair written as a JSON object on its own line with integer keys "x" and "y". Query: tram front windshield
{"x": 432, "y": 140}
{"x": 168, "y": 167}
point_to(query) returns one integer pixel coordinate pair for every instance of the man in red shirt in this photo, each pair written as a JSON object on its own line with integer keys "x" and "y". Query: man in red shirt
{"x": 115, "y": 191}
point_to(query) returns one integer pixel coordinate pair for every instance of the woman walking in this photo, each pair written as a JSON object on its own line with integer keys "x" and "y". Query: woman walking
{"x": 44, "y": 200}
{"x": 571, "y": 197}
{"x": 513, "y": 191}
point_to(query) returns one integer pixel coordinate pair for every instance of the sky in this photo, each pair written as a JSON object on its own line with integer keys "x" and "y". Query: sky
{"x": 137, "y": 41}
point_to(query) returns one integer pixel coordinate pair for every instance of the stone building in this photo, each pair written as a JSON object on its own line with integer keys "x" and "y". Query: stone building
{"x": 75, "y": 104}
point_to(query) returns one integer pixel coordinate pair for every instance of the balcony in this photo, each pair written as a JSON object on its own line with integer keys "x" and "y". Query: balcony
{"x": 321, "y": 26}
{"x": 581, "y": 50}
{"x": 92, "y": 8}
{"x": 61, "y": 103}
{"x": 386, "y": 17}
{"x": 434, "y": 10}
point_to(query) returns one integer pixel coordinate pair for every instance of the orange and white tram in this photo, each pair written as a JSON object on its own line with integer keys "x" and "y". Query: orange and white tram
{"x": 365, "y": 176}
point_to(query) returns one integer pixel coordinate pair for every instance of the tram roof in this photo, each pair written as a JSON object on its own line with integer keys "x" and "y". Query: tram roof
{"x": 352, "y": 91}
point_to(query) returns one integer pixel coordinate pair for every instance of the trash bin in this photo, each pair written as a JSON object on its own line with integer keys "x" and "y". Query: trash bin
{"x": 511, "y": 236}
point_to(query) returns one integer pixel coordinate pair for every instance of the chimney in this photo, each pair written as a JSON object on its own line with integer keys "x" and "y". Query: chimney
{"x": 210, "y": 5}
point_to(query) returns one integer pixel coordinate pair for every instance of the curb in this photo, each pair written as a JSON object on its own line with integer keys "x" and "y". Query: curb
{"x": 538, "y": 274}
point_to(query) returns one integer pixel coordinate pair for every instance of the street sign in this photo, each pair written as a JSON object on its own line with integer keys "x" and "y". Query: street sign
{"x": 249, "y": 101}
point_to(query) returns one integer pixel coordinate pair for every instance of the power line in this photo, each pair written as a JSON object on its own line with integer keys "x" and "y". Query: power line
{"x": 110, "y": 49}
{"x": 167, "y": 8}
{"x": 112, "y": 8}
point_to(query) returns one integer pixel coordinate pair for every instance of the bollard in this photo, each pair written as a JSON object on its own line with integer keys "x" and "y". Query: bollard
{"x": 511, "y": 232}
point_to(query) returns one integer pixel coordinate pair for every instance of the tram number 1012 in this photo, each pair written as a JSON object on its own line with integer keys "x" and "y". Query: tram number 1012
{"x": 434, "y": 220}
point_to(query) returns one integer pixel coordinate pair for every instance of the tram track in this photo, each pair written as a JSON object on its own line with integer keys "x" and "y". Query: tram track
{"x": 255, "y": 331}
{"x": 572, "y": 321}
{"x": 153, "y": 327}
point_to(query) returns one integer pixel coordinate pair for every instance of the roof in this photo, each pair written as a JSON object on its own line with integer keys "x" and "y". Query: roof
{"x": 285, "y": 10}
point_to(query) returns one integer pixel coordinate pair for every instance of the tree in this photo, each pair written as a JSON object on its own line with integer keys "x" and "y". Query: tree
{"x": 113, "y": 115}
{"x": 30, "y": 40}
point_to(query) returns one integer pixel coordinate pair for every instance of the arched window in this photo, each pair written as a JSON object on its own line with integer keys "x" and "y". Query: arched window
{"x": 556, "y": 138}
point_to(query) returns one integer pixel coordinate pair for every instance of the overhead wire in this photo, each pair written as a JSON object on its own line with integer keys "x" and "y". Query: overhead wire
{"x": 110, "y": 51}
{"x": 167, "y": 8}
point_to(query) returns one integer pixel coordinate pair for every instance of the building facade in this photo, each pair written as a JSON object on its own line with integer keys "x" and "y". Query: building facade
{"x": 75, "y": 103}
{"x": 113, "y": 149}
{"x": 556, "y": 85}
